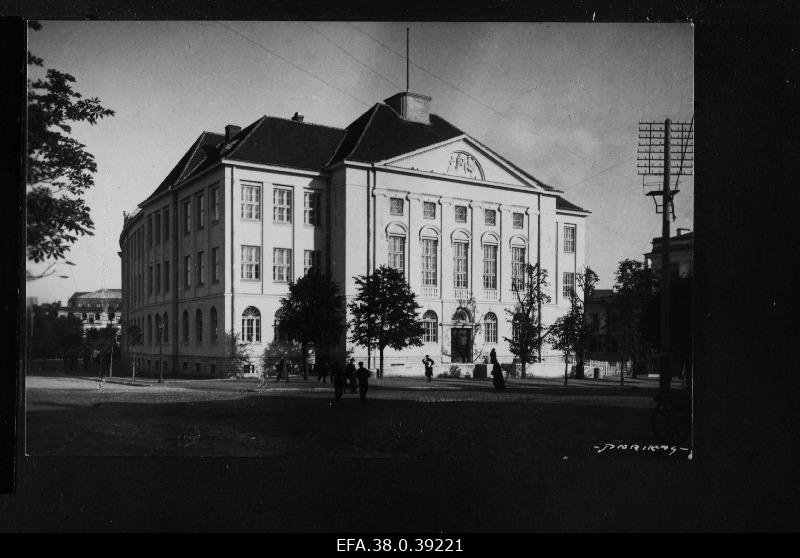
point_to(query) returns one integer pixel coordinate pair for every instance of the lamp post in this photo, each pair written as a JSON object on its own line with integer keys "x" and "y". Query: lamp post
{"x": 160, "y": 361}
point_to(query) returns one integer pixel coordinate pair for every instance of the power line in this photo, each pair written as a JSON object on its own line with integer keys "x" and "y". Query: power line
{"x": 321, "y": 34}
{"x": 276, "y": 55}
{"x": 579, "y": 156}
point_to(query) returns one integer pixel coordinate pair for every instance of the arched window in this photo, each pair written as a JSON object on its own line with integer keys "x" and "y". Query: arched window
{"x": 431, "y": 325}
{"x": 490, "y": 327}
{"x": 461, "y": 315}
{"x": 149, "y": 329}
{"x": 280, "y": 333}
{"x": 198, "y": 325}
{"x": 185, "y": 326}
{"x": 251, "y": 324}
{"x": 158, "y": 328}
{"x": 165, "y": 325}
{"x": 213, "y": 325}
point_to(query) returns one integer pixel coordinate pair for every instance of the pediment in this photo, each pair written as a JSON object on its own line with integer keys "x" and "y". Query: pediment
{"x": 462, "y": 157}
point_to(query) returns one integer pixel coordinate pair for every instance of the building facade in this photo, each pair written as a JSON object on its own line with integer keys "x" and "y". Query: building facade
{"x": 213, "y": 249}
{"x": 96, "y": 309}
{"x": 681, "y": 253}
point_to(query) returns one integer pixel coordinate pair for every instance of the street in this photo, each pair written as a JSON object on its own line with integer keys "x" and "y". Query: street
{"x": 403, "y": 417}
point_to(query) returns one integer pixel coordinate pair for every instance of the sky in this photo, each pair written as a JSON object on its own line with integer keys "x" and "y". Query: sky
{"x": 563, "y": 101}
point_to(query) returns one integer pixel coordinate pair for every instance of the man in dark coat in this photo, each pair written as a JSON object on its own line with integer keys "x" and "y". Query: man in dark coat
{"x": 363, "y": 381}
{"x": 428, "y": 363}
{"x": 337, "y": 377}
{"x": 350, "y": 375}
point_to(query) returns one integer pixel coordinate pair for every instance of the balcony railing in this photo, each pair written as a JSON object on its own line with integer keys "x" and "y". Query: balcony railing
{"x": 461, "y": 294}
{"x": 430, "y": 291}
{"x": 489, "y": 294}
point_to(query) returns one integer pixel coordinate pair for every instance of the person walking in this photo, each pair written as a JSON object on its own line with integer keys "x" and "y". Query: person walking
{"x": 428, "y": 363}
{"x": 337, "y": 378}
{"x": 278, "y": 370}
{"x": 363, "y": 381}
{"x": 350, "y": 375}
{"x": 497, "y": 373}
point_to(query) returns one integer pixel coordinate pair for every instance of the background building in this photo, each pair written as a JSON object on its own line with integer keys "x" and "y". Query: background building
{"x": 213, "y": 248}
{"x": 681, "y": 253}
{"x": 96, "y": 309}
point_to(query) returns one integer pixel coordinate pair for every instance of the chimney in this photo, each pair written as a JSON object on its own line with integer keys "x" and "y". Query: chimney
{"x": 297, "y": 117}
{"x": 231, "y": 130}
{"x": 411, "y": 106}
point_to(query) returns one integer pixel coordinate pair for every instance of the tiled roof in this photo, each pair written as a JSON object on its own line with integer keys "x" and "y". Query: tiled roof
{"x": 562, "y": 203}
{"x": 379, "y": 133}
{"x": 194, "y": 157}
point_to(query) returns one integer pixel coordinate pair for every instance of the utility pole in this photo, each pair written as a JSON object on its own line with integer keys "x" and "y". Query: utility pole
{"x": 655, "y": 147}
{"x": 407, "y": 62}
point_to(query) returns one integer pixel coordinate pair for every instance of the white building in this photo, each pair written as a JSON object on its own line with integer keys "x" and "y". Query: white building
{"x": 213, "y": 248}
{"x": 96, "y": 309}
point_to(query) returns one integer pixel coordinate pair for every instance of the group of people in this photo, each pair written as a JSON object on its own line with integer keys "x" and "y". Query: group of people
{"x": 349, "y": 377}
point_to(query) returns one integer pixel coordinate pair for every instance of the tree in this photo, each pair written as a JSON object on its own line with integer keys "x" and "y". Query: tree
{"x": 51, "y": 336}
{"x": 313, "y": 314}
{"x": 571, "y": 333}
{"x": 239, "y": 355}
{"x": 634, "y": 289}
{"x": 525, "y": 318}
{"x": 59, "y": 169}
{"x": 385, "y": 313}
{"x": 134, "y": 337}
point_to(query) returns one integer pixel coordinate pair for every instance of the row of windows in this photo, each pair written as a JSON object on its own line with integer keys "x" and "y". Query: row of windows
{"x": 158, "y": 327}
{"x": 430, "y": 323}
{"x": 430, "y": 249}
{"x": 282, "y": 207}
{"x": 281, "y": 263}
{"x": 397, "y": 207}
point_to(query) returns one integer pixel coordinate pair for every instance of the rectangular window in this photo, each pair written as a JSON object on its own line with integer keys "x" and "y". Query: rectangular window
{"x": 461, "y": 214}
{"x": 311, "y": 208}
{"x": 281, "y": 264}
{"x": 251, "y": 202}
{"x": 281, "y": 205}
{"x": 397, "y": 252}
{"x": 569, "y": 284}
{"x": 460, "y": 265}
{"x": 569, "y": 238}
{"x": 149, "y": 279}
{"x": 251, "y": 262}
{"x": 187, "y": 216}
{"x": 201, "y": 269}
{"x": 311, "y": 258}
{"x": 215, "y": 264}
{"x": 166, "y": 224}
{"x": 490, "y": 217}
{"x": 396, "y": 206}
{"x": 166, "y": 276}
{"x": 158, "y": 278}
{"x": 187, "y": 271}
{"x": 490, "y": 266}
{"x": 428, "y": 210}
{"x": 201, "y": 211}
{"x": 517, "y": 267}
{"x": 149, "y": 230}
{"x": 517, "y": 220}
{"x": 157, "y": 231}
{"x": 430, "y": 248}
{"x": 214, "y": 205}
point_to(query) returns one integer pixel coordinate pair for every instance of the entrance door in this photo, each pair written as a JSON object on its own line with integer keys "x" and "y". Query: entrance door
{"x": 461, "y": 344}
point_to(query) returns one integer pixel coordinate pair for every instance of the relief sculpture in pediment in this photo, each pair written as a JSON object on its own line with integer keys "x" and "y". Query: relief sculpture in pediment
{"x": 464, "y": 164}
